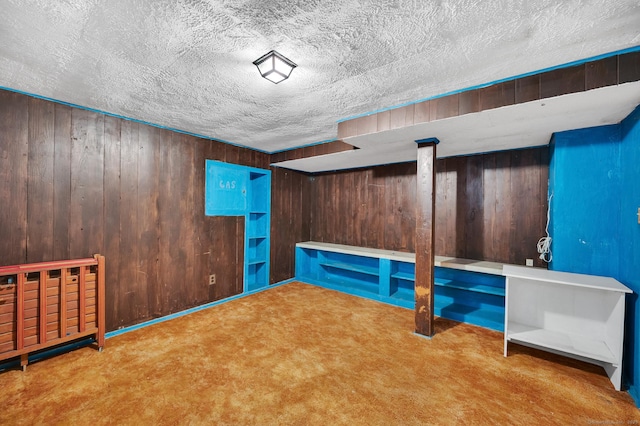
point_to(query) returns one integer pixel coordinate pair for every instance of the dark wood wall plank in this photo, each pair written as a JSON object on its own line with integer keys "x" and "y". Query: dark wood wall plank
{"x": 130, "y": 300}
{"x": 601, "y": 73}
{"x": 367, "y": 124}
{"x": 174, "y": 204}
{"x": 40, "y": 201}
{"x": 14, "y": 150}
{"x": 422, "y": 112}
{"x": 527, "y": 89}
{"x": 401, "y": 117}
{"x": 281, "y": 201}
{"x": 502, "y": 205}
{"x": 112, "y": 213}
{"x": 306, "y": 217}
{"x": 149, "y": 139}
{"x": 468, "y": 102}
{"x": 376, "y": 217}
{"x": 562, "y": 81}
{"x": 201, "y": 243}
{"x": 629, "y": 67}
{"x": 232, "y": 154}
{"x": 245, "y": 157}
{"x": 384, "y": 120}
{"x": 61, "y": 182}
{"x": 475, "y": 215}
{"x": 226, "y": 264}
{"x": 86, "y": 215}
{"x": 497, "y": 95}
{"x": 444, "y": 107}
{"x": 489, "y": 201}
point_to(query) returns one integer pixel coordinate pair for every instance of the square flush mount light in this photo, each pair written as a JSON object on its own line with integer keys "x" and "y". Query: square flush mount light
{"x": 274, "y": 67}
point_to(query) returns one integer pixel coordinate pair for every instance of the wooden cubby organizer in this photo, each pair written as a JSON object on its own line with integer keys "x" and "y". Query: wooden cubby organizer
{"x": 50, "y": 303}
{"x": 470, "y": 291}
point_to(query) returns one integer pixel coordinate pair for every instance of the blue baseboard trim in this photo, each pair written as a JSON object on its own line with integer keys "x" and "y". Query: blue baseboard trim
{"x": 47, "y": 353}
{"x": 191, "y": 310}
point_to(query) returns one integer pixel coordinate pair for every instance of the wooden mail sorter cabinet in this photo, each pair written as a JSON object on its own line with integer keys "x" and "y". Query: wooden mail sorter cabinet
{"x": 50, "y": 303}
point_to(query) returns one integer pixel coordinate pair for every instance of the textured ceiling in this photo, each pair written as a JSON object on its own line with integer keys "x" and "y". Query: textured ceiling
{"x": 188, "y": 64}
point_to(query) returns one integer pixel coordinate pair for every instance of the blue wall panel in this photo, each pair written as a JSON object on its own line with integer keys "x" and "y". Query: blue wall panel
{"x": 225, "y": 189}
{"x": 584, "y": 179}
{"x": 594, "y": 177}
{"x": 630, "y": 244}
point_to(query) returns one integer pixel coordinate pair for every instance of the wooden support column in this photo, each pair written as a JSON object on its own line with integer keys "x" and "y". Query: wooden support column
{"x": 425, "y": 242}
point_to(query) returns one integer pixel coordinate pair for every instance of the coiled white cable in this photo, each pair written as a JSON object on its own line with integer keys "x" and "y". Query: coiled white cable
{"x": 544, "y": 243}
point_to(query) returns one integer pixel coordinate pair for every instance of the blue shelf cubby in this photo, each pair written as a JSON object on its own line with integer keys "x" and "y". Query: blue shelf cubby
{"x": 467, "y": 296}
{"x": 234, "y": 190}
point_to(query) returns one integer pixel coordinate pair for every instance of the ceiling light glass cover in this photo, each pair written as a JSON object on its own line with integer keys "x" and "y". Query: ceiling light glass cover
{"x": 274, "y": 67}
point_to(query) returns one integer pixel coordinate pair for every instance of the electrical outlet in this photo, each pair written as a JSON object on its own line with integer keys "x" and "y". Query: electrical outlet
{"x": 529, "y": 262}
{"x": 212, "y": 279}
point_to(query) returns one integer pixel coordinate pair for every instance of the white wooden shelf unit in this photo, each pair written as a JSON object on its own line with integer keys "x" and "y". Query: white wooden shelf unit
{"x": 575, "y": 315}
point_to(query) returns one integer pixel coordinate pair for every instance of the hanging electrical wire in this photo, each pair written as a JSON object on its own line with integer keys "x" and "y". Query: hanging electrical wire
{"x": 544, "y": 243}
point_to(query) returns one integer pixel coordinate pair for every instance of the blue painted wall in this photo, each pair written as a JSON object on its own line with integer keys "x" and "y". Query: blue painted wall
{"x": 630, "y": 243}
{"x": 594, "y": 176}
{"x": 584, "y": 178}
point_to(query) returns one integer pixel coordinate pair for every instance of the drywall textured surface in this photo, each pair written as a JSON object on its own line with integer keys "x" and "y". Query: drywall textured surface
{"x": 188, "y": 64}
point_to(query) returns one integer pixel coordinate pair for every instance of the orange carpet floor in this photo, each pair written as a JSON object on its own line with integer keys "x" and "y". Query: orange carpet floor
{"x": 303, "y": 355}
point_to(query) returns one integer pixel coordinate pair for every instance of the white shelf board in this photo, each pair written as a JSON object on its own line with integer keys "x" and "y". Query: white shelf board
{"x": 565, "y": 342}
{"x": 360, "y": 251}
{"x": 483, "y": 266}
{"x": 566, "y": 278}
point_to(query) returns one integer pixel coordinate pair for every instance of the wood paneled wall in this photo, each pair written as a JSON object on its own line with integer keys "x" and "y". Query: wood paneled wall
{"x": 290, "y": 219}
{"x": 76, "y": 182}
{"x": 488, "y": 207}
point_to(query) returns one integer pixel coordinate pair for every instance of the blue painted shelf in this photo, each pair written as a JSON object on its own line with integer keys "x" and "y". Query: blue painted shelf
{"x": 404, "y": 276}
{"x": 460, "y": 294}
{"x": 349, "y": 267}
{"x": 469, "y": 286}
{"x": 234, "y": 190}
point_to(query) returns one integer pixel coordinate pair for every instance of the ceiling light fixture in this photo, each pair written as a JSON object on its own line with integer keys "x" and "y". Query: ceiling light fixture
{"x": 274, "y": 67}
